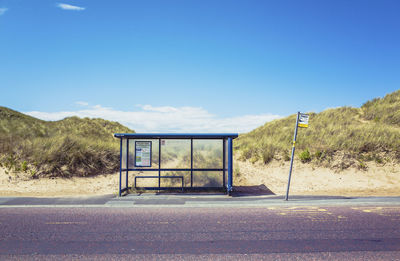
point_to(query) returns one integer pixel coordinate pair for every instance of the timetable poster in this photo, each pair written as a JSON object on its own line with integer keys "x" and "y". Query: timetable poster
{"x": 143, "y": 154}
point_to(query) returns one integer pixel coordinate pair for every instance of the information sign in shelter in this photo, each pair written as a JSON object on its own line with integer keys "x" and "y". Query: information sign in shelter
{"x": 142, "y": 153}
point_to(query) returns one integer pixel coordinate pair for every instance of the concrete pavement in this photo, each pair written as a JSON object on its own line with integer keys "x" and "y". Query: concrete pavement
{"x": 192, "y": 200}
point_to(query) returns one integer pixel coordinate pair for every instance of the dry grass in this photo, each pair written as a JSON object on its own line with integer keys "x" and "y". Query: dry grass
{"x": 70, "y": 147}
{"x": 371, "y": 132}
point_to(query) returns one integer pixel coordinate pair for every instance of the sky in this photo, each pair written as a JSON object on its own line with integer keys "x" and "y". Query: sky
{"x": 195, "y": 65}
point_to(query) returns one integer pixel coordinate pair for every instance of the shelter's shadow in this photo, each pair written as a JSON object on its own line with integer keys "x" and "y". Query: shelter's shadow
{"x": 239, "y": 191}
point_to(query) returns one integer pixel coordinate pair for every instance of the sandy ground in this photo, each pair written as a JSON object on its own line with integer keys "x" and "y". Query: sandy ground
{"x": 306, "y": 180}
{"x": 17, "y": 184}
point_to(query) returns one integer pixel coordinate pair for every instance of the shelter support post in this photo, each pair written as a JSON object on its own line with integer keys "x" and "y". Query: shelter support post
{"x": 127, "y": 164}
{"x": 191, "y": 163}
{"x": 224, "y": 163}
{"x": 159, "y": 163}
{"x": 230, "y": 166}
{"x": 120, "y": 166}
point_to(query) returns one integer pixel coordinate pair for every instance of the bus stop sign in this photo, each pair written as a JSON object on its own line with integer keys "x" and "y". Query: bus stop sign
{"x": 303, "y": 120}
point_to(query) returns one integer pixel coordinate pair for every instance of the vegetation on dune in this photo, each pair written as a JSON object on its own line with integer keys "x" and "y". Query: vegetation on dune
{"x": 386, "y": 110}
{"x": 69, "y": 147}
{"x": 336, "y": 138}
{"x": 352, "y": 135}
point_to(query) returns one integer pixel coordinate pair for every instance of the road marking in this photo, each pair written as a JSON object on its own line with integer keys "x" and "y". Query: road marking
{"x": 66, "y": 223}
{"x": 302, "y": 207}
{"x": 380, "y": 211}
{"x": 306, "y": 210}
{"x": 315, "y": 214}
{"x": 160, "y": 223}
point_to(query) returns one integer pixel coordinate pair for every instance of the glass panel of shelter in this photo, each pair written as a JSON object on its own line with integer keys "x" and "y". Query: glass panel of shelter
{"x": 176, "y": 154}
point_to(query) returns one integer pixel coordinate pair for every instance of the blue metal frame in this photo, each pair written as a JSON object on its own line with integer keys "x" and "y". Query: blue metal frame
{"x": 224, "y": 163}
{"x": 225, "y": 137}
{"x": 159, "y": 163}
{"x": 176, "y": 136}
{"x": 120, "y": 166}
{"x": 230, "y": 166}
{"x": 127, "y": 163}
{"x": 191, "y": 163}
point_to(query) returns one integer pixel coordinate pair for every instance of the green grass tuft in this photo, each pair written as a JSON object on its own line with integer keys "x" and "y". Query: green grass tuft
{"x": 305, "y": 156}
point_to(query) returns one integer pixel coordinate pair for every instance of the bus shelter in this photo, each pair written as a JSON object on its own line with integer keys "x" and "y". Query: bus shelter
{"x": 157, "y": 161}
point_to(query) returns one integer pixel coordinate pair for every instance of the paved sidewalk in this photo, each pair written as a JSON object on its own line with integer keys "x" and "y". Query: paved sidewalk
{"x": 192, "y": 200}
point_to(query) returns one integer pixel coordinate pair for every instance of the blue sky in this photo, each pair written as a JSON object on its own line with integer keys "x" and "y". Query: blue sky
{"x": 197, "y": 66}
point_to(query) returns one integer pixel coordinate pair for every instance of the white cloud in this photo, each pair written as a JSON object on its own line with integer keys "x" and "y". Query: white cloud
{"x": 70, "y": 7}
{"x": 82, "y": 103}
{"x": 3, "y": 10}
{"x": 166, "y": 119}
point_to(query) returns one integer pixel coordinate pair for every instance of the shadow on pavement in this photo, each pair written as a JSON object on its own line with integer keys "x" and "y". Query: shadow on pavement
{"x": 259, "y": 190}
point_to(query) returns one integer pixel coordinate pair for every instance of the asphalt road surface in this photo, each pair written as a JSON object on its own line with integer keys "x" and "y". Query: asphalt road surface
{"x": 273, "y": 233}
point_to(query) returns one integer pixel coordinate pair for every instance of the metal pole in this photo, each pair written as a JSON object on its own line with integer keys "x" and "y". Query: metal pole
{"x": 120, "y": 166}
{"x": 291, "y": 160}
{"x": 127, "y": 163}
{"x": 230, "y": 160}
{"x": 159, "y": 163}
{"x": 191, "y": 163}
{"x": 223, "y": 162}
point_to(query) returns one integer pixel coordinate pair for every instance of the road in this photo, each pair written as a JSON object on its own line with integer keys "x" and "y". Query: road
{"x": 154, "y": 233}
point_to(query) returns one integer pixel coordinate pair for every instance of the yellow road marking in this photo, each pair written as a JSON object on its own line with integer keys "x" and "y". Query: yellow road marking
{"x": 309, "y": 210}
{"x": 381, "y": 211}
{"x": 376, "y": 208}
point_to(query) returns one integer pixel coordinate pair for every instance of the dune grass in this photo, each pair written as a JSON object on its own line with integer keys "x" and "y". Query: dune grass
{"x": 84, "y": 147}
{"x": 69, "y": 147}
{"x": 371, "y": 132}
